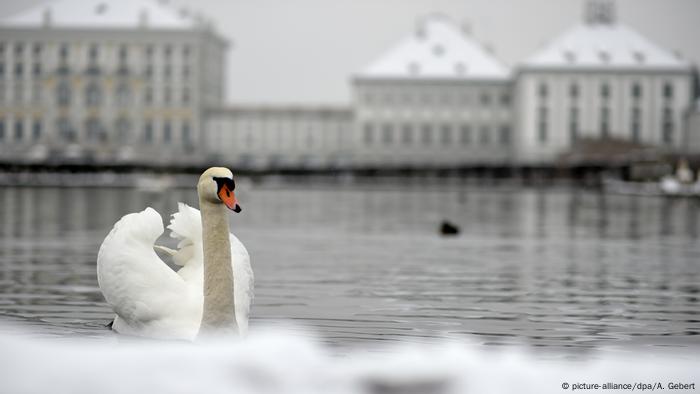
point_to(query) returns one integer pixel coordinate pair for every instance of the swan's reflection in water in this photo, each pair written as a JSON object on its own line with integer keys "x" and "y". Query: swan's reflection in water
{"x": 363, "y": 262}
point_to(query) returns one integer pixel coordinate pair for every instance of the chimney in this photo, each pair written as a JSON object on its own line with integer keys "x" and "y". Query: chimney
{"x": 47, "y": 18}
{"x": 600, "y": 12}
{"x": 143, "y": 19}
{"x": 466, "y": 28}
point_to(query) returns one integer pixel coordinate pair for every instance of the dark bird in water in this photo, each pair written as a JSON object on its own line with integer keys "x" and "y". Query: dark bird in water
{"x": 447, "y": 228}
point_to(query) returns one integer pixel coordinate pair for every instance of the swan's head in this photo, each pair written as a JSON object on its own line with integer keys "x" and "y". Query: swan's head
{"x": 216, "y": 186}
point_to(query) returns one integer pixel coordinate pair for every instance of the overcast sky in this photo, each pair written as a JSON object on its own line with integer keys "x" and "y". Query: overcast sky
{"x": 305, "y": 51}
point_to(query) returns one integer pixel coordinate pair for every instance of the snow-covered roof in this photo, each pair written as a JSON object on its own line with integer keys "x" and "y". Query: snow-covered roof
{"x": 604, "y": 46}
{"x": 438, "y": 49}
{"x": 106, "y": 14}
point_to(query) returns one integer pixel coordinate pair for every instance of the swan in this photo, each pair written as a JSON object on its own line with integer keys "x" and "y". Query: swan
{"x": 213, "y": 290}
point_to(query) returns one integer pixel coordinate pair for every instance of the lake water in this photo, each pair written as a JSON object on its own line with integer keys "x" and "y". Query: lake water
{"x": 362, "y": 263}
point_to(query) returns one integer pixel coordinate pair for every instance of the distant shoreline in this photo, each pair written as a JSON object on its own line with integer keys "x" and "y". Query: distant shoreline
{"x": 184, "y": 176}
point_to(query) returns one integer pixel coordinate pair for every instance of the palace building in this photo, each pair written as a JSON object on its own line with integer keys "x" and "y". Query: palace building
{"x": 107, "y": 82}
{"x": 601, "y": 80}
{"x": 139, "y": 82}
{"x": 437, "y": 99}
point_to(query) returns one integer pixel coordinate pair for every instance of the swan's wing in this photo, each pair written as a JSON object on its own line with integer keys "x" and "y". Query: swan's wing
{"x": 186, "y": 226}
{"x": 244, "y": 281}
{"x": 134, "y": 280}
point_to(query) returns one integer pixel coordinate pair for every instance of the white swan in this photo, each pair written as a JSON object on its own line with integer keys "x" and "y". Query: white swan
{"x": 214, "y": 287}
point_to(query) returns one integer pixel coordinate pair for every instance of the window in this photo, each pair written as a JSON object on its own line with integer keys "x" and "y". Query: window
{"x": 148, "y": 96}
{"x": 19, "y": 70}
{"x": 37, "y": 49}
{"x": 123, "y": 68}
{"x": 605, "y": 91}
{"x": 19, "y": 130}
{"x": 388, "y": 99}
{"x": 636, "y": 90}
{"x": 667, "y": 126}
{"x": 63, "y": 52}
{"x": 542, "y": 125}
{"x": 148, "y": 71}
{"x": 485, "y": 99}
{"x": 123, "y": 95}
{"x": 543, "y": 91}
{"x": 2, "y": 70}
{"x": 94, "y": 130}
{"x": 186, "y": 50}
{"x": 123, "y": 54}
{"x": 505, "y": 100}
{"x": 604, "y": 122}
{"x": 185, "y": 96}
{"x": 485, "y": 135}
{"x": 19, "y": 49}
{"x": 122, "y": 128}
{"x": 574, "y": 91}
{"x": 168, "y": 51}
{"x": 573, "y": 124}
{"x": 63, "y": 93}
{"x": 369, "y": 134}
{"x": 186, "y": 71}
{"x": 37, "y": 69}
{"x": 93, "y": 95}
{"x": 2, "y": 129}
{"x": 167, "y": 96}
{"x": 36, "y": 130}
{"x": 505, "y": 135}
{"x": 148, "y": 133}
{"x": 387, "y": 134}
{"x": 18, "y": 93}
{"x": 427, "y": 134}
{"x": 465, "y": 134}
{"x": 668, "y": 90}
{"x": 167, "y": 133}
{"x": 446, "y": 134}
{"x": 407, "y": 134}
{"x": 167, "y": 71}
{"x": 93, "y": 53}
{"x": 187, "y": 136}
{"x": 65, "y": 130}
{"x": 636, "y": 124}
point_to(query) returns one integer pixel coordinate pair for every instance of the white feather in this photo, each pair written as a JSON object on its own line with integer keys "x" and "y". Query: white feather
{"x": 149, "y": 298}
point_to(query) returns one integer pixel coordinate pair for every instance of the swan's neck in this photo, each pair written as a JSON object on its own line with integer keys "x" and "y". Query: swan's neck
{"x": 218, "y": 315}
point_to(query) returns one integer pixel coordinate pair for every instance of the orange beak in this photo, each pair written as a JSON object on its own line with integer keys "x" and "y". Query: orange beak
{"x": 228, "y": 197}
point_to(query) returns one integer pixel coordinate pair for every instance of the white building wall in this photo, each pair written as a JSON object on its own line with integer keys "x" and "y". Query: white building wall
{"x": 262, "y": 138}
{"x": 558, "y": 103}
{"x": 406, "y": 123}
{"x": 32, "y": 97}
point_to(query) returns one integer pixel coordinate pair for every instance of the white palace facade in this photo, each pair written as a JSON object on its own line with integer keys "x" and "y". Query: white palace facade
{"x": 107, "y": 82}
{"x": 139, "y": 82}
